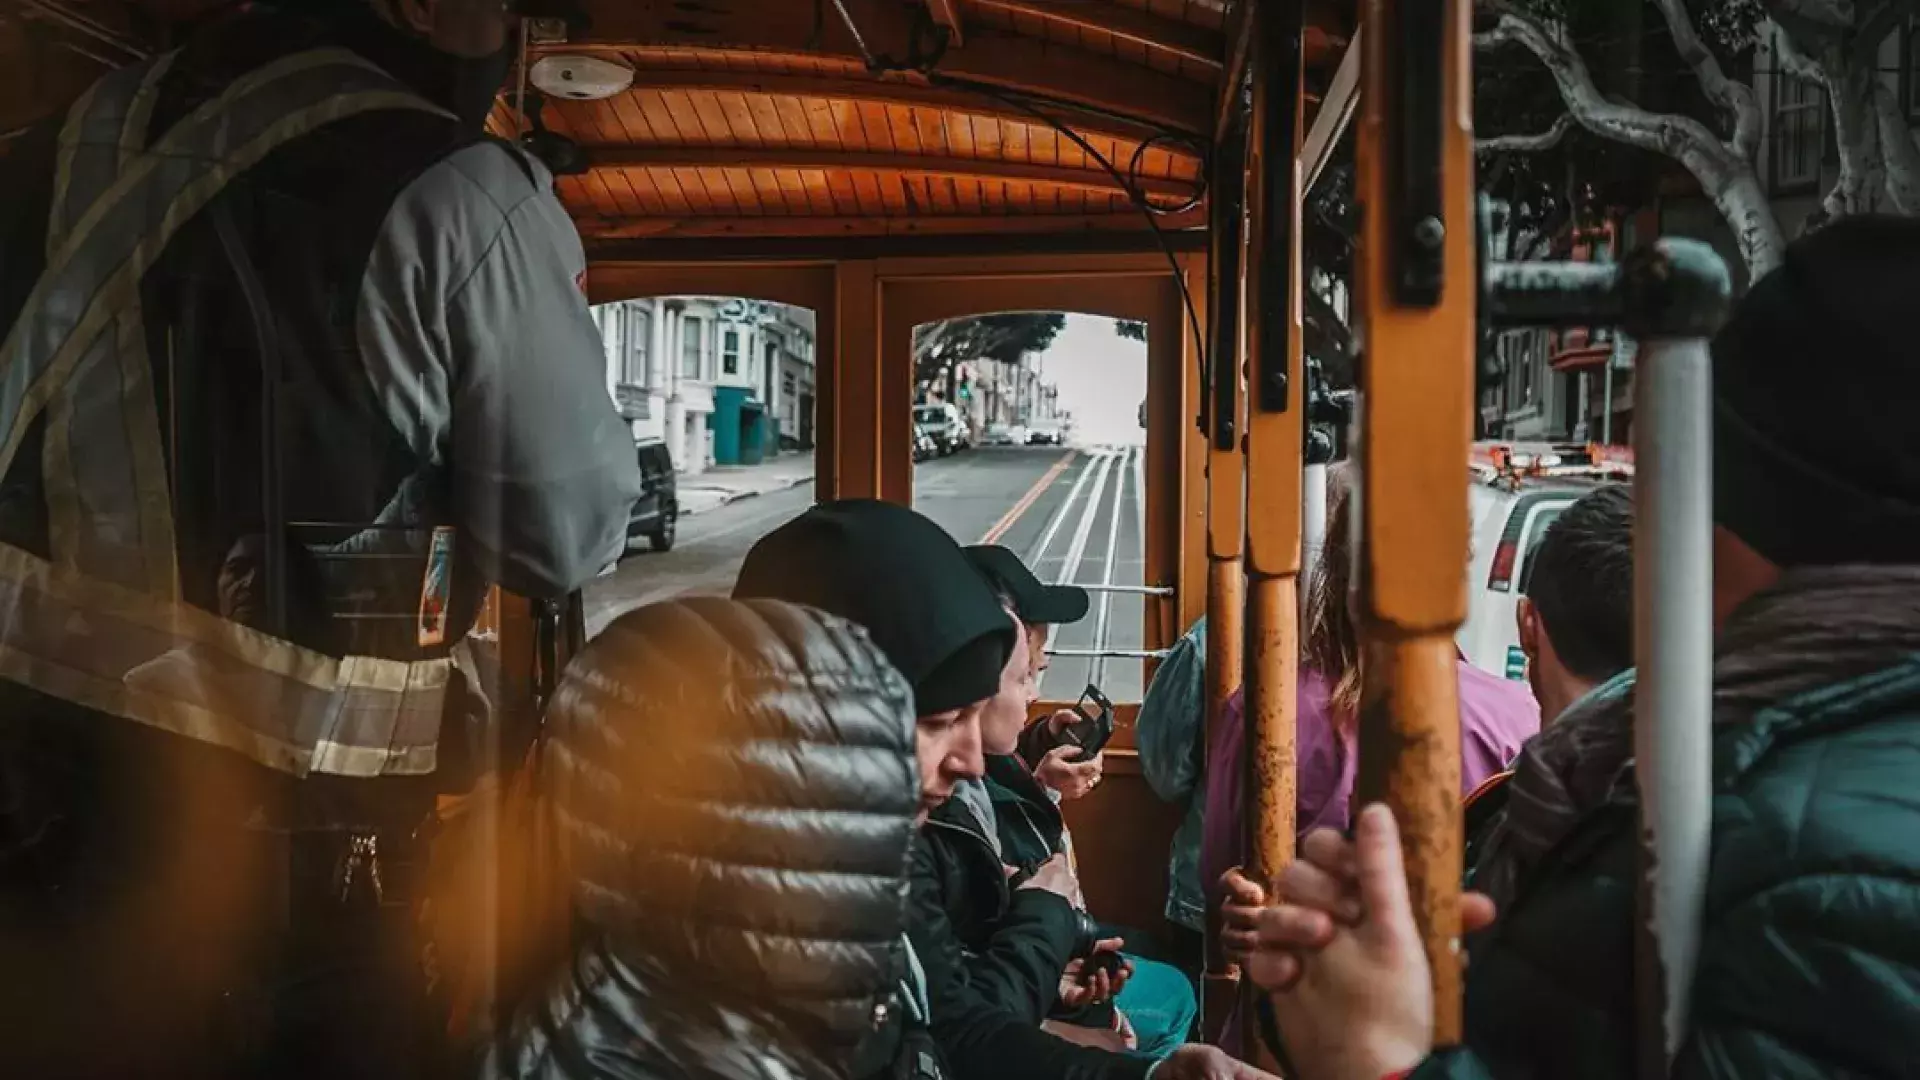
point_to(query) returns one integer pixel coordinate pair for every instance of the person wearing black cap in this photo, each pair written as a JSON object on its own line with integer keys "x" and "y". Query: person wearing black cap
{"x": 1156, "y": 1000}
{"x": 901, "y": 577}
{"x": 1041, "y": 607}
{"x": 1807, "y": 964}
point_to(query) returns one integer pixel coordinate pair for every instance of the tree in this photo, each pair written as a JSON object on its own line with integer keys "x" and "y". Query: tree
{"x": 1832, "y": 41}
{"x": 1133, "y": 329}
{"x": 939, "y": 348}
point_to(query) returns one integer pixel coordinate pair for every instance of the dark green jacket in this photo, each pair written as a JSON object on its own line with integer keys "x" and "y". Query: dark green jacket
{"x": 1810, "y": 955}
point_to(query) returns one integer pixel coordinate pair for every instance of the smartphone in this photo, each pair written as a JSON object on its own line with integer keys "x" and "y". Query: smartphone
{"x": 1094, "y": 725}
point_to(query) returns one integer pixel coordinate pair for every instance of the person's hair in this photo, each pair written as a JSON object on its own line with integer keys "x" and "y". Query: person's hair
{"x": 1580, "y": 580}
{"x": 1331, "y": 644}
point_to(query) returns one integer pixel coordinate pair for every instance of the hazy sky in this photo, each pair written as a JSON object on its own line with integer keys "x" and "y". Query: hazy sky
{"x": 1102, "y": 379}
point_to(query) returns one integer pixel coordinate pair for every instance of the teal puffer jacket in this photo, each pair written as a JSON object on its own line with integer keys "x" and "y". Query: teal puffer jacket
{"x": 1810, "y": 957}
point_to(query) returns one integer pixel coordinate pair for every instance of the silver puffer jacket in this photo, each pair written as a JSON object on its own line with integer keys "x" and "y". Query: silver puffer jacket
{"x": 735, "y": 790}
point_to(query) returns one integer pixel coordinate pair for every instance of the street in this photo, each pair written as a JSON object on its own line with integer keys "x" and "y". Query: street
{"x": 1074, "y": 515}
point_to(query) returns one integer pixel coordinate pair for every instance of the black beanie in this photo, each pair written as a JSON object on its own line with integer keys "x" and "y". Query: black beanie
{"x": 899, "y": 575}
{"x": 1816, "y": 426}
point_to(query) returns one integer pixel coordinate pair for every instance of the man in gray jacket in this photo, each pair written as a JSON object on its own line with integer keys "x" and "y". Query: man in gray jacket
{"x": 273, "y": 295}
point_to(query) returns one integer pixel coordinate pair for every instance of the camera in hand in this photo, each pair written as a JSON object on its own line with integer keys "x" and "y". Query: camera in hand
{"x": 1094, "y": 725}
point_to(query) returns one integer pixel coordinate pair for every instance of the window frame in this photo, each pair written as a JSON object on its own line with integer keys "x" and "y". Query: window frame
{"x": 691, "y": 329}
{"x": 1781, "y": 114}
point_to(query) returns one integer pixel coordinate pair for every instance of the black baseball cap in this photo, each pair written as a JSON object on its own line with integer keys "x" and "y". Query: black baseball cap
{"x": 903, "y": 578}
{"x": 1033, "y": 600}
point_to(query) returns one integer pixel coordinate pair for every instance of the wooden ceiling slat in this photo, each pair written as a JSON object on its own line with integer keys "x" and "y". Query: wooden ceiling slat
{"x": 930, "y": 225}
{"x": 793, "y": 190}
{"x": 699, "y": 199}
{"x": 819, "y": 192}
{"x": 988, "y": 137}
{"x": 740, "y": 185}
{"x": 840, "y": 186}
{"x": 960, "y": 136}
{"x": 906, "y": 135}
{"x": 879, "y": 128}
{"x": 860, "y": 88}
{"x": 767, "y": 191}
{"x": 620, "y": 157}
{"x": 1014, "y": 142}
{"x": 632, "y": 118}
{"x": 793, "y": 118}
{"x": 866, "y": 187}
{"x": 766, "y": 118}
{"x": 846, "y": 122}
{"x": 820, "y": 118}
{"x": 733, "y": 106}
{"x": 659, "y": 111}
{"x": 931, "y": 126}
{"x": 967, "y": 195}
{"x": 706, "y": 106}
{"x": 1013, "y": 61}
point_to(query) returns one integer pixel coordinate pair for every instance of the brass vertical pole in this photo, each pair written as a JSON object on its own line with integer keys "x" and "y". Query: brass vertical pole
{"x": 1225, "y": 498}
{"x": 1274, "y": 433}
{"x": 1418, "y": 289}
{"x": 1273, "y": 446}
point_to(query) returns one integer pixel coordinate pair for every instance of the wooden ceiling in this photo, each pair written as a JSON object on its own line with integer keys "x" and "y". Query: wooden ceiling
{"x": 750, "y": 118}
{"x": 788, "y": 118}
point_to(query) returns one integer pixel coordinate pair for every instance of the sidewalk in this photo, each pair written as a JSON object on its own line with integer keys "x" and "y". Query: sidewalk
{"x": 723, "y": 484}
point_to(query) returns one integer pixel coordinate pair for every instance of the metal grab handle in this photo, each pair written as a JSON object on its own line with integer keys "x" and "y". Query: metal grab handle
{"x": 1113, "y": 654}
{"x": 1672, "y": 296}
{"x": 1134, "y": 590}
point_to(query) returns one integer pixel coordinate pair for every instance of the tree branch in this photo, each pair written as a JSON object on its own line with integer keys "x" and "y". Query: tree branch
{"x": 1725, "y": 176}
{"x": 1525, "y": 144}
{"x": 1736, "y": 98}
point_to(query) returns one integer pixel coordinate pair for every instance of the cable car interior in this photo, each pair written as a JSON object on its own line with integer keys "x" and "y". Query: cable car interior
{"x": 890, "y": 163}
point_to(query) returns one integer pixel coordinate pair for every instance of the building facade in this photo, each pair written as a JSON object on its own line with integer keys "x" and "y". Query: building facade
{"x": 720, "y": 380}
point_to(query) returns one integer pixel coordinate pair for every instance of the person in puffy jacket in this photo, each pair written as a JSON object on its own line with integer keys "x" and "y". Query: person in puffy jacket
{"x": 1809, "y": 953}
{"x": 734, "y": 786}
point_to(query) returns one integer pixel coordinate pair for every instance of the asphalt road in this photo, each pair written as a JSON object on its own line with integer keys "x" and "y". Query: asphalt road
{"x": 1074, "y": 515}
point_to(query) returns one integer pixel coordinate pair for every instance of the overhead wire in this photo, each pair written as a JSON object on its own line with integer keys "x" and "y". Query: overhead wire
{"x": 926, "y": 66}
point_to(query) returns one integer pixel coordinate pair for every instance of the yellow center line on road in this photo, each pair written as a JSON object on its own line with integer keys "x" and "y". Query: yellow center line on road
{"x": 1039, "y": 488}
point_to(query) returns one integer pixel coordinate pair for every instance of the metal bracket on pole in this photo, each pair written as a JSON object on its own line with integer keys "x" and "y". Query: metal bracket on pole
{"x": 1278, "y": 53}
{"x": 1417, "y": 52}
{"x": 1227, "y": 211}
{"x": 1671, "y": 297}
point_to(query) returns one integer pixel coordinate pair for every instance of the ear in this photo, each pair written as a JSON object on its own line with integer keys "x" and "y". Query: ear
{"x": 1528, "y": 623}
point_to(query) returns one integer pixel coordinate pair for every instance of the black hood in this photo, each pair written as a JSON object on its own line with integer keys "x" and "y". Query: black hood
{"x": 464, "y": 86}
{"x": 899, "y": 575}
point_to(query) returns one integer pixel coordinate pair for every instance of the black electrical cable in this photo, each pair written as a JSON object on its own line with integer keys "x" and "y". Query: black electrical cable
{"x": 1138, "y": 200}
{"x": 925, "y": 66}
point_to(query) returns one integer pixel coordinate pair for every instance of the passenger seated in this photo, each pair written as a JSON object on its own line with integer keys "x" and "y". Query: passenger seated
{"x": 908, "y": 583}
{"x": 1154, "y": 1002}
{"x": 1170, "y": 731}
{"x": 734, "y": 788}
{"x": 1576, "y": 627}
{"x": 1809, "y": 954}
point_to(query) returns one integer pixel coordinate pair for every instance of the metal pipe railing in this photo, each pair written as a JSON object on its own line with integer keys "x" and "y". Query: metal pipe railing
{"x": 1113, "y": 654}
{"x": 1671, "y": 297}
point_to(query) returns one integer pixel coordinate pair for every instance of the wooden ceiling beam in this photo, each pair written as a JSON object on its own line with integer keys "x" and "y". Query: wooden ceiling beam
{"x": 1006, "y": 61}
{"x": 893, "y": 90}
{"x": 729, "y": 157}
{"x": 605, "y": 230}
{"x": 1183, "y": 39}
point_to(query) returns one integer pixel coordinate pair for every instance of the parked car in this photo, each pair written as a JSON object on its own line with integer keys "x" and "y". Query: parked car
{"x": 1046, "y": 433}
{"x": 657, "y": 515}
{"x": 941, "y": 420}
{"x": 997, "y": 435}
{"x": 924, "y": 448}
